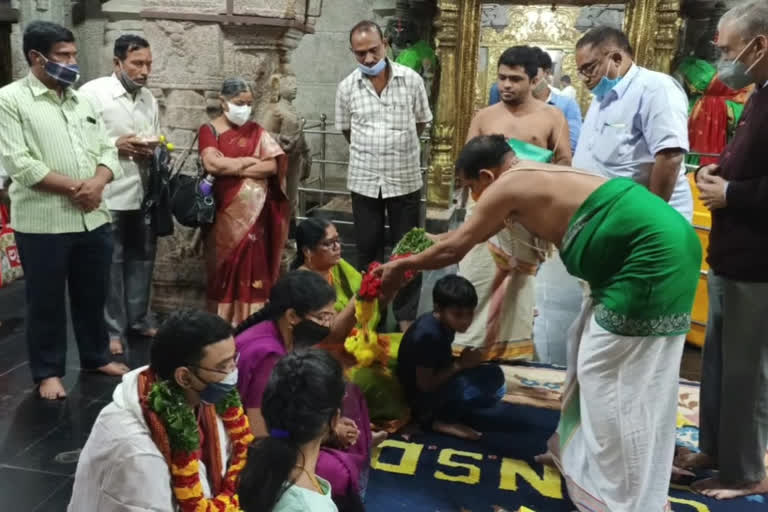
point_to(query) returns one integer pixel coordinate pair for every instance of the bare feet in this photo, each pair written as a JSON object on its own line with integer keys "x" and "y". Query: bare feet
{"x": 693, "y": 460}
{"x": 714, "y": 488}
{"x": 378, "y": 437}
{"x": 116, "y": 346}
{"x": 553, "y": 449}
{"x": 456, "y": 430}
{"x": 680, "y": 473}
{"x": 114, "y": 369}
{"x": 52, "y": 389}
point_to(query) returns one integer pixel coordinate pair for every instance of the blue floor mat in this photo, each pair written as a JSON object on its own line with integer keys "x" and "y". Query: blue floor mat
{"x": 437, "y": 473}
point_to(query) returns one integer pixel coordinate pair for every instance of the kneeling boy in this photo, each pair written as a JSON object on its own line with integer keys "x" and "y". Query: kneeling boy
{"x": 443, "y": 390}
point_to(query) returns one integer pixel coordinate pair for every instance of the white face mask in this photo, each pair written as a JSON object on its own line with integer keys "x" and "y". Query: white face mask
{"x": 238, "y": 114}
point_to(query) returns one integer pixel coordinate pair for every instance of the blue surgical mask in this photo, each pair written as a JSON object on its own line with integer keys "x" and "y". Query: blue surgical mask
{"x": 214, "y": 392}
{"x": 64, "y": 74}
{"x": 604, "y": 86}
{"x": 374, "y": 70}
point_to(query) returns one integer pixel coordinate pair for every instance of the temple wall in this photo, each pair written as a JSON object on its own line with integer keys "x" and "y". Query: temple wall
{"x": 191, "y": 59}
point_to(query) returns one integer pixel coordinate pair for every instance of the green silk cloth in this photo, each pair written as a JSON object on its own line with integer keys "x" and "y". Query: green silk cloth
{"x": 640, "y": 257}
{"x": 346, "y": 282}
{"x": 413, "y": 56}
{"x": 526, "y": 151}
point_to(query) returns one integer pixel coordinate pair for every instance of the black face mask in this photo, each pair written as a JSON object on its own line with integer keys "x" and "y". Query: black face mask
{"x": 307, "y": 333}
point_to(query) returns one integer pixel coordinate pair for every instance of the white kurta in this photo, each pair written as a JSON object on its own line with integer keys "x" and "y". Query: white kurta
{"x": 120, "y": 468}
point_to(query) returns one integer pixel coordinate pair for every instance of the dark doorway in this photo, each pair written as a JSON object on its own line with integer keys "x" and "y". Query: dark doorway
{"x": 6, "y": 75}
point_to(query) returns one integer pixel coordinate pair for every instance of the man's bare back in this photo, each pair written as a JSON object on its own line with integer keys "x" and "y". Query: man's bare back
{"x": 535, "y": 123}
{"x": 541, "y": 197}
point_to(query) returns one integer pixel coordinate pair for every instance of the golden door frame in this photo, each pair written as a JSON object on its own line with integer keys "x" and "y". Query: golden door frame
{"x": 652, "y": 26}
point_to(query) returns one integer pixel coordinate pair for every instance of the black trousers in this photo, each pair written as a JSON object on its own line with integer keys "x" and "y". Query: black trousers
{"x": 369, "y": 215}
{"x": 53, "y": 264}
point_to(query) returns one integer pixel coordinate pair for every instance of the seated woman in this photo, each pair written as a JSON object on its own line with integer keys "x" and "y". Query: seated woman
{"x": 301, "y": 408}
{"x": 318, "y": 249}
{"x": 245, "y": 243}
{"x": 298, "y": 315}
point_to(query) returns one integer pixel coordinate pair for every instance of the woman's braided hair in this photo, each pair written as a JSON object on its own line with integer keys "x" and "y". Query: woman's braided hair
{"x": 302, "y": 397}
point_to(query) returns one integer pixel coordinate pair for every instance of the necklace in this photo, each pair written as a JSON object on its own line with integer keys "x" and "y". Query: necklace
{"x": 312, "y": 478}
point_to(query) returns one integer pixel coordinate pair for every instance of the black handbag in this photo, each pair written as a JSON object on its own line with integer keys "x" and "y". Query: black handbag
{"x": 157, "y": 199}
{"x": 189, "y": 205}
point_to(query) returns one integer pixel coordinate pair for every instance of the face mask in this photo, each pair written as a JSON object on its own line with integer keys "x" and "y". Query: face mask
{"x": 128, "y": 83}
{"x": 374, "y": 70}
{"x": 64, "y": 74}
{"x": 604, "y": 86}
{"x": 307, "y": 333}
{"x": 238, "y": 114}
{"x": 215, "y": 391}
{"x": 735, "y": 74}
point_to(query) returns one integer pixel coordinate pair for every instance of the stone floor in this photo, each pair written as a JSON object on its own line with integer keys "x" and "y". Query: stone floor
{"x": 40, "y": 441}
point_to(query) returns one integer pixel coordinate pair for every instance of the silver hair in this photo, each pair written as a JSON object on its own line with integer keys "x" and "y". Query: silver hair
{"x": 235, "y": 86}
{"x": 752, "y": 18}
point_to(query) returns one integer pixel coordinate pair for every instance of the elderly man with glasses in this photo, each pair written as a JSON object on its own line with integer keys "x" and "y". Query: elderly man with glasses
{"x": 637, "y": 124}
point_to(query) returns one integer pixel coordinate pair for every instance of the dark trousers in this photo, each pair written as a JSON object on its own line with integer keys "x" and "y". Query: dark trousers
{"x": 133, "y": 260}
{"x": 458, "y": 398}
{"x": 53, "y": 264}
{"x": 369, "y": 215}
{"x": 734, "y": 379}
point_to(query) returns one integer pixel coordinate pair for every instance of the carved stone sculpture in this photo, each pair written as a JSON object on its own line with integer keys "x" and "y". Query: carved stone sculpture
{"x": 283, "y": 122}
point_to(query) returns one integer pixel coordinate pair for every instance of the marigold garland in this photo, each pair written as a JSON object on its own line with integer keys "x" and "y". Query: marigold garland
{"x": 364, "y": 343}
{"x": 181, "y": 426}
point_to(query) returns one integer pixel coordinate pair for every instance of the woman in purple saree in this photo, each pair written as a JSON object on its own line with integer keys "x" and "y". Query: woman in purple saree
{"x": 298, "y": 315}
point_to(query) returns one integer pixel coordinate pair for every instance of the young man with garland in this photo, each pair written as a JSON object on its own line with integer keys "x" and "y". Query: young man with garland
{"x": 175, "y": 436}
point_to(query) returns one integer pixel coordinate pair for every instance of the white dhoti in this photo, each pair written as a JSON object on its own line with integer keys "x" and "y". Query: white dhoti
{"x": 617, "y": 427}
{"x": 503, "y": 322}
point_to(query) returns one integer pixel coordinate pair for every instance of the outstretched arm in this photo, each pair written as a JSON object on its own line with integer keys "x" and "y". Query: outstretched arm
{"x": 486, "y": 220}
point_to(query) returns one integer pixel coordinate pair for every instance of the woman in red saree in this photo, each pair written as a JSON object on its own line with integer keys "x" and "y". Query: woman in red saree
{"x": 245, "y": 243}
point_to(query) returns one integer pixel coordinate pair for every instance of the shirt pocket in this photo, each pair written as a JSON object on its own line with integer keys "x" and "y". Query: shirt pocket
{"x": 613, "y": 142}
{"x": 91, "y": 134}
{"x": 399, "y": 111}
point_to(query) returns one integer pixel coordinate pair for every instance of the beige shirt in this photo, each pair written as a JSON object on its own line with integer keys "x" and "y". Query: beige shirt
{"x": 124, "y": 115}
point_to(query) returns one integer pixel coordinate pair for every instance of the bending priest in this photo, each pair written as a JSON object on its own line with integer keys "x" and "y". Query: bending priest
{"x": 641, "y": 259}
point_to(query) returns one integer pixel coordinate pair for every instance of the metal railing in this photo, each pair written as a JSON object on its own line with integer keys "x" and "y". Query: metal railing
{"x": 318, "y": 184}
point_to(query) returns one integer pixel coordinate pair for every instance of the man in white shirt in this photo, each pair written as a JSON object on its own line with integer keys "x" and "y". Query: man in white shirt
{"x": 381, "y": 108}
{"x": 125, "y": 463}
{"x": 130, "y": 116}
{"x": 566, "y": 88}
{"x": 637, "y": 125}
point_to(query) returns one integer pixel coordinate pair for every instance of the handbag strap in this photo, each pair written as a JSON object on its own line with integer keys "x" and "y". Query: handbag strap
{"x": 183, "y": 159}
{"x": 5, "y": 217}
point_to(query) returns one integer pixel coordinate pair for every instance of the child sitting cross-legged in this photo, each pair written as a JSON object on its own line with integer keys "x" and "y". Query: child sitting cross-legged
{"x": 442, "y": 390}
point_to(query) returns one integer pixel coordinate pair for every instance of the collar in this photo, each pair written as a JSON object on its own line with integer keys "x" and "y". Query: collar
{"x": 118, "y": 89}
{"x": 38, "y": 88}
{"x": 623, "y": 85}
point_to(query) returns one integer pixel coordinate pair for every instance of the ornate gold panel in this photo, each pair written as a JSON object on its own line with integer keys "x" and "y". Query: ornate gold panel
{"x": 652, "y": 26}
{"x": 535, "y": 25}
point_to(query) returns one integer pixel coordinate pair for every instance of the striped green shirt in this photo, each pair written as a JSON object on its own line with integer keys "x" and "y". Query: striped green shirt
{"x": 41, "y": 132}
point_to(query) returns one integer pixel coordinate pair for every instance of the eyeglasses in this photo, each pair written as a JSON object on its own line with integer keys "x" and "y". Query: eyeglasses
{"x": 230, "y": 367}
{"x": 329, "y": 244}
{"x": 588, "y": 70}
